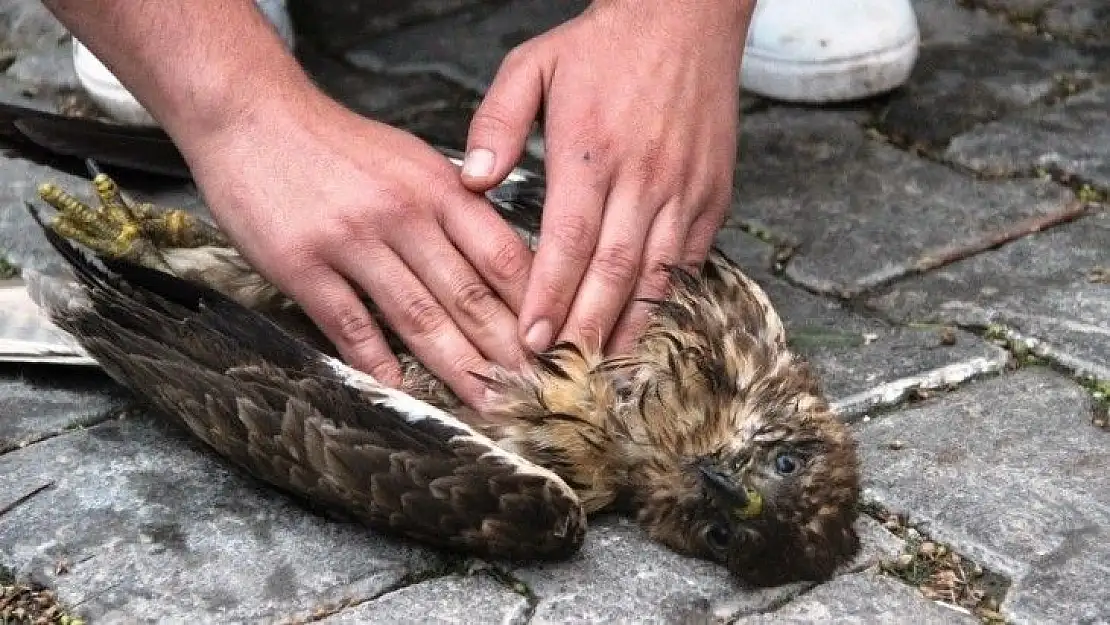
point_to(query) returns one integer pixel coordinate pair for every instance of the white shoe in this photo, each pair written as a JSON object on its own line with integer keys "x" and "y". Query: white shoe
{"x": 118, "y": 103}
{"x": 817, "y": 51}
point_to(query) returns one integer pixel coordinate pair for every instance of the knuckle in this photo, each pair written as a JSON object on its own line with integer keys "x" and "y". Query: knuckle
{"x": 423, "y": 316}
{"x": 575, "y": 236}
{"x": 616, "y": 263}
{"x": 517, "y": 56}
{"x": 355, "y": 327}
{"x": 508, "y": 264}
{"x": 476, "y": 301}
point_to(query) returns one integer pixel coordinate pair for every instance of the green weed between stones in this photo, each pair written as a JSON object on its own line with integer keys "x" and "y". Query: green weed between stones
{"x": 940, "y": 573}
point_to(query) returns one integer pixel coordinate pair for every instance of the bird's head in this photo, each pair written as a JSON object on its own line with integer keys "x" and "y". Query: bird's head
{"x": 778, "y": 505}
{"x": 758, "y": 473}
{"x": 775, "y": 504}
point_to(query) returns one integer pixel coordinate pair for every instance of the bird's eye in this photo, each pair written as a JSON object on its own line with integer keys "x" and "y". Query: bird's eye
{"x": 718, "y": 537}
{"x": 787, "y": 463}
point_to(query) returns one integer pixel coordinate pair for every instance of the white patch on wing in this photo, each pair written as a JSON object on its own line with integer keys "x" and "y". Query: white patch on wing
{"x": 414, "y": 411}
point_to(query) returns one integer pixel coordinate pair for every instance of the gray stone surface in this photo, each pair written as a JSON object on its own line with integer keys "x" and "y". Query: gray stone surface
{"x": 453, "y": 599}
{"x": 19, "y": 179}
{"x": 1071, "y": 138}
{"x": 40, "y": 46}
{"x": 846, "y": 201}
{"x": 864, "y": 598}
{"x": 431, "y": 106}
{"x": 468, "y": 46}
{"x": 1046, "y": 286}
{"x": 1011, "y": 473}
{"x": 153, "y": 529}
{"x": 350, "y": 23}
{"x": 150, "y": 527}
{"x": 863, "y": 362}
{"x": 620, "y": 577}
{"x": 37, "y": 402}
{"x": 1077, "y": 18}
{"x": 975, "y": 68}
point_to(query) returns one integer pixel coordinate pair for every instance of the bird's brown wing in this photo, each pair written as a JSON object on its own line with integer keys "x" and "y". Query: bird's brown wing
{"x": 303, "y": 421}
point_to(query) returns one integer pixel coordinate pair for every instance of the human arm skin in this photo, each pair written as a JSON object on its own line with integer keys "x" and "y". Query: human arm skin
{"x": 641, "y": 114}
{"x": 324, "y": 203}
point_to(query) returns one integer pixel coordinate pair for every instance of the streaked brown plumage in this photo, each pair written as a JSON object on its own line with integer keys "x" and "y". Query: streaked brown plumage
{"x": 711, "y": 433}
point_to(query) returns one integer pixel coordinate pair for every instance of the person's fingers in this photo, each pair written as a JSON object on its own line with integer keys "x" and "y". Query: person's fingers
{"x": 569, "y": 230}
{"x": 493, "y": 248}
{"x": 472, "y": 304}
{"x": 502, "y": 122}
{"x": 663, "y": 249}
{"x": 328, "y": 299}
{"x": 613, "y": 270}
{"x": 419, "y": 320}
{"x": 699, "y": 239}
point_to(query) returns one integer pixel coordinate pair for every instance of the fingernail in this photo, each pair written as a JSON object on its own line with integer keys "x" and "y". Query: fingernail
{"x": 538, "y": 337}
{"x": 478, "y": 163}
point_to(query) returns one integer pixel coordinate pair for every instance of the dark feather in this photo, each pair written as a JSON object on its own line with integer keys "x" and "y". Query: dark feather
{"x": 136, "y": 148}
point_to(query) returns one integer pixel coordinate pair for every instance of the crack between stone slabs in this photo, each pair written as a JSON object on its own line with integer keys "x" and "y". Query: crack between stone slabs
{"x": 24, "y": 498}
{"x": 1074, "y": 210}
{"x": 77, "y": 425}
{"x": 939, "y": 572}
{"x": 1030, "y": 22}
{"x": 506, "y": 579}
{"x": 458, "y": 567}
{"x": 1029, "y": 351}
{"x": 890, "y": 395}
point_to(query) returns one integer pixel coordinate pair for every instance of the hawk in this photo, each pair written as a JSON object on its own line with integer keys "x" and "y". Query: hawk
{"x": 712, "y": 433}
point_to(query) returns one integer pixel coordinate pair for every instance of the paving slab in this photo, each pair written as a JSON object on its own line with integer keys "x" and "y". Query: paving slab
{"x": 449, "y": 600}
{"x": 1010, "y": 473}
{"x": 1071, "y": 138}
{"x": 40, "y": 46}
{"x": 469, "y": 45}
{"x": 1074, "y": 19}
{"x": 1078, "y": 19}
{"x": 424, "y": 103}
{"x": 138, "y": 523}
{"x": 350, "y": 23}
{"x": 973, "y": 68}
{"x": 862, "y": 598}
{"x": 141, "y": 525}
{"x": 620, "y": 577}
{"x": 860, "y": 212}
{"x": 1048, "y": 286}
{"x": 863, "y": 362}
{"x": 38, "y": 402}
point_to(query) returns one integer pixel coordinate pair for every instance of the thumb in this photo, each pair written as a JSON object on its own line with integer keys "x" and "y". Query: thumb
{"x": 502, "y": 122}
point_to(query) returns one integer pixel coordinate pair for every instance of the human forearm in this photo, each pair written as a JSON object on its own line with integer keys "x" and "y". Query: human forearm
{"x": 198, "y": 66}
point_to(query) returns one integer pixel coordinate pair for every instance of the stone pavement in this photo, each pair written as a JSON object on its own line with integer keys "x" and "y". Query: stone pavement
{"x": 942, "y": 254}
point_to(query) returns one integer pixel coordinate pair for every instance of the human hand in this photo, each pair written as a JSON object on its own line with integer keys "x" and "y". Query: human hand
{"x": 329, "y": 205}
{"x": 641, "y": 112}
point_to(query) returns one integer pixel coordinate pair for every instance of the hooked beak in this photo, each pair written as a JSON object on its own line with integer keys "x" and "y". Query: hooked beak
{"x": 743, "y": 502}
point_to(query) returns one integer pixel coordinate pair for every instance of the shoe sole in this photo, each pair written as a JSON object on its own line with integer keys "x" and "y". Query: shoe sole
{"x": 836, "y": 80}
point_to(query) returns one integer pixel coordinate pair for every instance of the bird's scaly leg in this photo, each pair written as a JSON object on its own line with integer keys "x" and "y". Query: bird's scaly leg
{"x": 118, "y": 228}
{"x": 169, "y": 240}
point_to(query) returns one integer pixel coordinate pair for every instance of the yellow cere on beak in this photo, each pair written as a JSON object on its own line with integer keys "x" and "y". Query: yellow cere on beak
{"x": 753, "y": 507}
